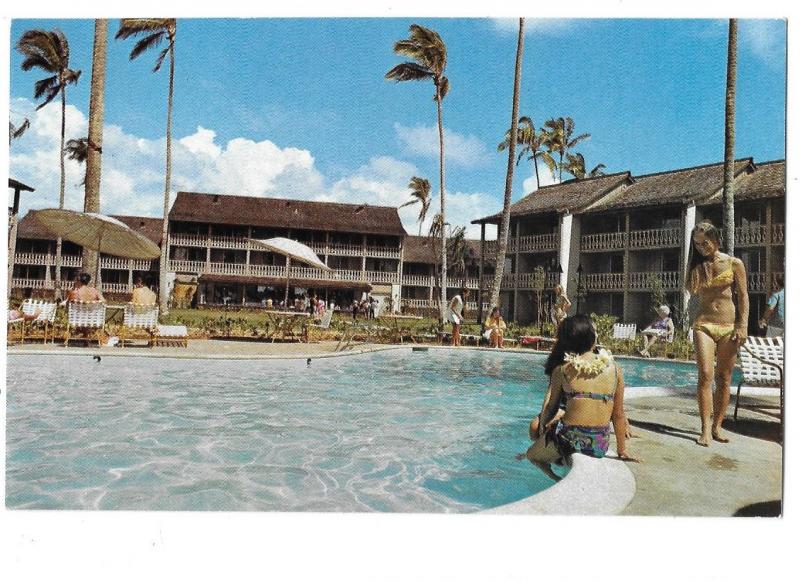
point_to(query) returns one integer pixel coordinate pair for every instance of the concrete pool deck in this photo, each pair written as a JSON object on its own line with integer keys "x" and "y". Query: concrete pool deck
{"x": 677, "y": 478}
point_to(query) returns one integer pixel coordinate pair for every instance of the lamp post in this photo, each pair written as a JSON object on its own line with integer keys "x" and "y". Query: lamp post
{"x": 579, "y": 290}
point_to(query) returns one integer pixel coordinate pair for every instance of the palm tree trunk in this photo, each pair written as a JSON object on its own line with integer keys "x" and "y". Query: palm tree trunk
{"x": 91, "y": 196}
{"x": 730, "y": 133}
{"x": 443, "y": 291}
{"x": 536, "y": 168}
{"x": 162, "y": 265}
{"x": 63, "y": 185}
{"x": 502, "y": 235}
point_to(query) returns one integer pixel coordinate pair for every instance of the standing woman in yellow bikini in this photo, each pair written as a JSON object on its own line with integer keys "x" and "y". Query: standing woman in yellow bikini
{"x": 720, "y": 327}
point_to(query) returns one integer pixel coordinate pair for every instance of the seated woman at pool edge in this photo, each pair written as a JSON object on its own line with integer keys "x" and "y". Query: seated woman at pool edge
{"x": 592, "y": 390}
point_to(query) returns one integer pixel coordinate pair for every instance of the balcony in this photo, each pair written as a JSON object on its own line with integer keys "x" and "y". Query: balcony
{"x": 759, "y": 282}
{"x": 276, "y": 271}
{"x": 321, "y": 248}
{"x": 752, "y": 235}
{"x": 777, "y": 234}
{"x": 535, "y": 243}
{"x": 412, "y": 304}
{"x": 528, "y": 280}
{"x": 655, "y": 238}
{"x": 125, "y": 264}
{"x": 642, "y": 281}
{"x": 603, "y": 241}
{"x": 603, "y": 281}
{"x": 47, "y": 259}
{"x": 418, "y": 280}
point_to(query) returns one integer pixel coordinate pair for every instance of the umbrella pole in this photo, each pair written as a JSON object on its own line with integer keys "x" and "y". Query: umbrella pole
{"x": 286, "y": 293}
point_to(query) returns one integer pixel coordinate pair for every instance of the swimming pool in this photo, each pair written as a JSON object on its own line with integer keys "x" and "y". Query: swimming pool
{"x": 396, "y": 430}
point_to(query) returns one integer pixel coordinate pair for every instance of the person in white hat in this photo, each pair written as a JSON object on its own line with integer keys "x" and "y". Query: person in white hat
{"x": 660, "y": 328}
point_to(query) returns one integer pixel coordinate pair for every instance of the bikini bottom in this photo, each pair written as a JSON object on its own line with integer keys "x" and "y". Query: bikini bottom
{"x": 716, "y": 331}
{"x": 592, "y": 441}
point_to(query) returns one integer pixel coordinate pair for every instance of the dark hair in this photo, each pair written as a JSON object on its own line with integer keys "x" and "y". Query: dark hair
{"x": 139, "y": 280}
{"x": 778, "y": 280}
{"x": 707, "y": 228}
{"x": 576, "y": 335}
{"x": 494, "y": 309}
{"x": 84, "y": 278}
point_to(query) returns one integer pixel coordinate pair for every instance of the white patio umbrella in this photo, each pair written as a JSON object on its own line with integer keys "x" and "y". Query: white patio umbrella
{"x": 291, "y": 249}
{"x": 97, "y": 232}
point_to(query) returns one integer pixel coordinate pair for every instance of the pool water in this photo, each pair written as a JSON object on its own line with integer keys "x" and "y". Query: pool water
{"x": 397, "y": 430}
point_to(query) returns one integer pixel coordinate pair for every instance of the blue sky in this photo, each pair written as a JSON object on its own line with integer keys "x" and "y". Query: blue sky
{"x": 300, "y": 108}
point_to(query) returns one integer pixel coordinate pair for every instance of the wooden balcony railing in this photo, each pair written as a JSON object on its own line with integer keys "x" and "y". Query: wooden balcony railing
{"x": 759, "y": 282}
{"x": 750, "y": 235}
{"x": 777, "y": 234}
{"x": 418, "y": 280}
{"x": 642, "y": 281}
{"x": 125, "y": 264}
{"x": 434, "y": 304}
{"x": 603, "y": 241}
{"x": 528, "y": 280}
{"x": 655, "y": 238}
{"x": 47, "y": 259}
{"x": 604, "y": 281}
{"x": 321, "y": 248}
{"x": 299, "y": 273}
{"x": 20, "y": 283}
{"x": 536, "y": 242}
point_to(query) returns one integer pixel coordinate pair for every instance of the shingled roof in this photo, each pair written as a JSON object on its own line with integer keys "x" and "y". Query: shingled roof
{"x": 672, "y": 187}
{"x": 768, "y": 181}
{"x": 572, "y": 196}
{"x": 29, "y": 228}
{"x": 417, "y": 249}
{"x": 285, "y": 213}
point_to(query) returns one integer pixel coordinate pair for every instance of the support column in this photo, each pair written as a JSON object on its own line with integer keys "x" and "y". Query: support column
{"x": 564, "y": 238}
{"x": 130, "y": 275}
{"x": 626, "y": 260}
{"x": 515, "y": 291}
{"x": 247, "y": 251}
{"x": 363, "y": 255}
{"x": 689, "y": 220}
{"x": 769, "y": 266}
{"x": 573, "y": 251}
{"x": 480, "y": 272}
{"x": 208, "y": 250}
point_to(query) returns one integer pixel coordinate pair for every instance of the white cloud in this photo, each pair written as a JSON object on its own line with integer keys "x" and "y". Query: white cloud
{"x": 461, "y": 150}
{"x": 546, "y": 178}
{"x": 764, "y": 38}
{"x": 133, "y": 172}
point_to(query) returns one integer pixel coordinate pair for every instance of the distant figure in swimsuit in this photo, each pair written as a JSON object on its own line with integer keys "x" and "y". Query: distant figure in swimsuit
{"x": 561, "y": 305}
{"x": 660, "y": 328}
{"x": 83, "y": 291}
{"x": 720, "y": 327}
{"x": 590, "y": 388}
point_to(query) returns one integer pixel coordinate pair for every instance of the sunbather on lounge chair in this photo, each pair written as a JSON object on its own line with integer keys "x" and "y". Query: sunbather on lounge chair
{"x": 660, "y": 328}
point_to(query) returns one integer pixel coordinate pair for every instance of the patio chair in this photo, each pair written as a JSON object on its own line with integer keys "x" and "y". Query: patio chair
{"x": 325, "y": 323}
{"x": 624, "y": 331}
{"x": 46, "y": 317}
{"x": 171, "y": 335}
{"x": 761, "y": 360}
{"x": 87, "y": 316}
{"x": 138, "y": 318}
{"x": 16, "y": 326}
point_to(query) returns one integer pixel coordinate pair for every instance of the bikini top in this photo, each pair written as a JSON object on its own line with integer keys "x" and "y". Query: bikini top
{"x": 566, "y": 395}
{"x": 723, "y": 279}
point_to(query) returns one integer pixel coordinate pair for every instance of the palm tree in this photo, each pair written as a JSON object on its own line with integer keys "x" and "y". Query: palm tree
{"x": 426, "y": 47}
{"x": 502, "y": 235}
{"x": 155, "y": 31}
{"x": 78, "y": 150}
{"x": 16, "y": 131}
{"x": 730, "y": 134}
{"x": 558, "y": 138}
{"x": 49, "y": 51}
{"x": 531, "y": 143}
{"x": 576, "y": 166}
{"x": 458, "y": 253}
{"x": 94, "y": 142}
{"x": 420, "y": 194}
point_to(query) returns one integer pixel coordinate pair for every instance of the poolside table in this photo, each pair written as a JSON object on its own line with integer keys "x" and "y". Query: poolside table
{"x": 285, "y": 323}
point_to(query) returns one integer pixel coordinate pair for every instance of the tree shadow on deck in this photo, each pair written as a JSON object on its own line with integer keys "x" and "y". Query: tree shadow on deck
{"x": 762, "y": 509}
{"x": 767, "y": 430}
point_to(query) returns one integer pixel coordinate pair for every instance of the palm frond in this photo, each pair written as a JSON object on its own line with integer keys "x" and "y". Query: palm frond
{"x": 597, "y": 170}
{"x": 77, "y": 149}
{"x": 444, "y": 87}
{"x": 136, "y": 26}
{"x": 409, "y": 72}
{"x": 16, "y": 132}
{"x": 147, "y": 43}
{"x": 549, "y": 161}
{"x": 43, "y": 85}
{"x": 42, "y": 44}
{"x": 160, "y": 59}
{"x": 52, "y": 93}
{"x": 576, "y": 140}
{"x": 71, "y": 77}
{"x": 37, "y": 60}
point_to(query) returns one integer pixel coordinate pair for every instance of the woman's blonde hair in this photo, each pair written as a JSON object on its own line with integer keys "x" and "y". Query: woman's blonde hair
{"x": 696, "y": 277}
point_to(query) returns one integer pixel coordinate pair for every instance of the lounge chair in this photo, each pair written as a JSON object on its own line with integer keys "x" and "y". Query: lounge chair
{"x": 761, "y": 360}
{"x": 15, "y": 325}
{"x": 88, "y": 316}
{"x": 324, "y": 324}
{"x": 139, "y": 318}
{"x": 171, "y": 335}
{"x": 46, "y": 317}
{"x": 624, "y": 331}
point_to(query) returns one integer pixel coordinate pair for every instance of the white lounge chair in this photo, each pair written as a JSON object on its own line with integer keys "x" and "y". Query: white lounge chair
{"x": 761, "y": 360}
{"x": 46, "y": 311}
{"x": 139, "y": 318}
{"x": 88, "y": 316}
{"x": 325, "y": 323}
{"x": 624, "y": 331}
{"x": 171, "y": 335}
{"x": 15, "y": 325}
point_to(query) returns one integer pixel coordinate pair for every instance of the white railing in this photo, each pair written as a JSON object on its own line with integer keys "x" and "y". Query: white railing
{"x": 125, "y": 264}
{"x": 40, "y": 284}
{"x": 603, "y": 281}
{"x": 47, "y": 259}
{"x": 178, "y": 266}
{"x": 755, "y": 234}
{"x": 116, "y": 287}
{"x": 777, "y": 233}
{"x": 642, "y": 281}
{"x": 434, "y": 304}
{"x": 760, "y": 282}
{"x": 655, "y": 238}
{"x": 603, "y": 241}
{"x": 188, "y": 240}
{"x": 536, "y": 242}
{"x": 528, "y": 280}
{"x": 321, "y": 248}
{"x": 418, "y": 280}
